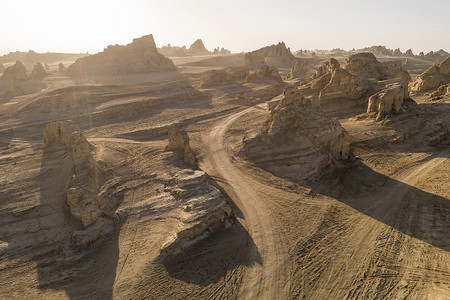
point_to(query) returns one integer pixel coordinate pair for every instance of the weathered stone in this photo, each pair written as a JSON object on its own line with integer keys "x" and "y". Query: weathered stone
{"x": 179, "y": 142}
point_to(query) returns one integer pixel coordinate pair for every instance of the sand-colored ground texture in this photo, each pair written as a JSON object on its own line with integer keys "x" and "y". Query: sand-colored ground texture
{"x": 167, "y": 180}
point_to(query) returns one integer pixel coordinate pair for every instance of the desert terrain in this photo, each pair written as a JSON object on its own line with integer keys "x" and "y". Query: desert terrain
{"x": 177, "y": 172}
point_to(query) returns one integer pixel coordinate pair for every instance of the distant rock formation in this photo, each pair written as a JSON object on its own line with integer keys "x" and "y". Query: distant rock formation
{"x": 38, "y": 71}
{"x": 205, "y": 209}
{"x": 221, "y": 51}
{"x": 215, "y": 77}
{"x": 296, "y": 141}
{"x": 258, "y": 57}
{"x": 197, "y": 48}
{"x": 86, "y": 197}
{"x": 388, "y": 101}
{"x": 437, "y": 55}
{"x": 409, "y": 53}
{"x": 46, "y": 67}
{"x": 435, "y": 76}
{"x": 179, "y": 143}
{"x": 61, "y": 67}
{"x": 140, "y": 56}
{"x": 299, "y": 70}
{"x": 263, "y": 74}
{"x": 14, "y": 75}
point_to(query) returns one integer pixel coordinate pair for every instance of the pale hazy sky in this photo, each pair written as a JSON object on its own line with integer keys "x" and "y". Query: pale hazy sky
{"x": 91, "y": 25}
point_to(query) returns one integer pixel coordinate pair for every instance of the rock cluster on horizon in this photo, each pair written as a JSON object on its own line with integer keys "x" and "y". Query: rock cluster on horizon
{"x": 258, "y": 57}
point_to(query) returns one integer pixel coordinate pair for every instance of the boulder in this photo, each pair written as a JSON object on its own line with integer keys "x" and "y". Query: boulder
{"x": 432, "y": 78}
{"x": 264, "y": 73}
{"x": 299, "y": 70}
{"x": 388, "y": 101}
{"x": 179, "y": 143}
{"x": 215, "y": 77}
{"x": 140, "y": 56}
{"x": 14, "y": 75}
{"x": 38, "y": 71}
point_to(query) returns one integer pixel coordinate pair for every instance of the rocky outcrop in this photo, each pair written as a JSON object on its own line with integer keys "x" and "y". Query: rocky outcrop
{"x": 38, "y": 71}
{"x": 46, "y": 67}
{"x": 326, "y": 68}
{"x": 61, "y": 67}
{"x": 265, "y": 73}
{"x": 258, "y": 57}
{"x": 221, "y": 51}
{"x": 409, "y": 53}
{"x": 14, "y": 75}
{"x": 179, "y": 143}
{"x": 443, "y": 90}
{"x": 2, "y": 68}
{"x": 215, "y": 77}
{"x": 140, "y": 56}
{"x": 435, "y": 76}
{"x": 197, "y": 48}
{"x": 388, "y": 101}
{"x": 299, "y": 70}
{"x": 204, "y": 209}
{"x": 343, "y": 84}
{"x": 296, "y": 141}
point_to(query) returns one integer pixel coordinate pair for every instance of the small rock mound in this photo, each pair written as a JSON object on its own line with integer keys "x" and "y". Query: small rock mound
{"x": 14, "y": 75}
{"x": 296, "y": 141}
{"x": 179, "y": 142}
{"x": 38, "y": 71}
{"x": 299, "y": 70}
{"x": 204, "y": 209}
{"x": 264, "y": 73}
{"x": 215, "y": 77}
{"x": 388, "y": 101}
{"x": 198, "y": 48}
{"x": 435, "y": 76}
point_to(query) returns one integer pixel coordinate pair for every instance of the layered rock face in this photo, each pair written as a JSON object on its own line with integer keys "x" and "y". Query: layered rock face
{"x": 258, "y": 57}
{"x": 443, "y": 90}
{"x": 296, "y": 141}
{"x": 14, "y": 75}
{"x": 299, "y": 70}
{"x": 197, "y": 48}
{"x": 84, "y": 195}
{"x": 343, "y": 84}
{"x": 38, "y": 71}
{"x": 432, "y": 78}
{"x": 215, "y": 77}
{"x": 264, "y": 73}
{"x": 140, "y": 56}
{"x": 179, "y": 143}
{"x": 204, "y": 209}
{"x": 388, "y": 101}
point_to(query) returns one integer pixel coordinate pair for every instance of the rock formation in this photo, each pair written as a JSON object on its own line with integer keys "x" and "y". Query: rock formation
{"x": 85, "y": 195}
{"x": 140, "y": 56}
{"x": 388, "y": 101}
{"x": 409, "y": 53}
{"x": 263, "y": 74}
{"x": 296, "y": 141}
{"x": 343, "y": 84}
{"x": 61, "y": 67}
{"x": 179, "y": 143}
{"x": 435, "y": 76}
{"x": 38, "y": 71}
{"x": 204, "y": 209}
{"x": 14, "y": 75}
{"x": 215, "y": 77}
{"x": 443, "y": 90}
{"x": 326, "y": 68}
{"x": 46, "y": 67}
{"x": 299, "y": 70}
{"x": 2, "y": 68}
{"x": 221, "y": 51}
{"x": 197, "y": 48}
{"x": 258, "y": 57}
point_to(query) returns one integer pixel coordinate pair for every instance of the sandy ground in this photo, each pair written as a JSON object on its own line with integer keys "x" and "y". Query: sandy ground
{"x": 375, "y": 229}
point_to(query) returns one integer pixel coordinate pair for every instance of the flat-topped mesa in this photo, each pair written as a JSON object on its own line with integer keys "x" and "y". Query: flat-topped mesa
{"x": 140, "y": 56}
{"x": 198, "y": 48}
{"x": 38, "y": 71}
{"x": 435, "y": 76}
{"x": 14, "y": 75}
{"x": 296, "y": 141}
{"x": 258, "y": 57}
{"x": 179, "y": 143}
{"x": 299, "y": 70}
{"x": 265, "y": 73}
{"x": 388, "y": 101}
{"x": 215, "y": 77}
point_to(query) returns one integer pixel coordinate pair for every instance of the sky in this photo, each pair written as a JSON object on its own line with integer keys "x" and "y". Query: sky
{"x": 78, "y": 26}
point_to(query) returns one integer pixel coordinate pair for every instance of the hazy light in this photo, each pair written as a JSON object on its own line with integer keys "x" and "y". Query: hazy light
{"x": 81, "y": 25}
